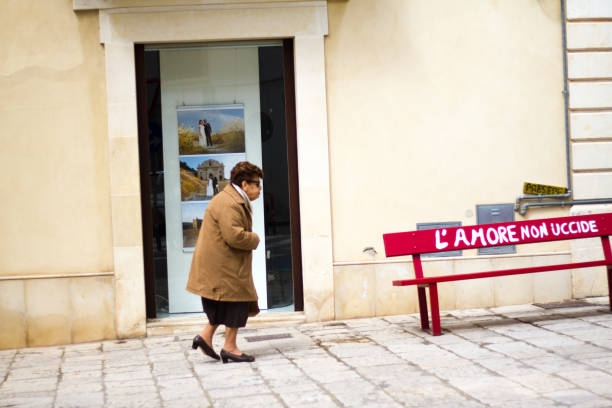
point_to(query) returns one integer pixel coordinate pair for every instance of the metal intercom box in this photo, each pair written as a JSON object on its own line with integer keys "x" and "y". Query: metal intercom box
{"x": 434, "y": 225}
{"x": 492, "y": 213}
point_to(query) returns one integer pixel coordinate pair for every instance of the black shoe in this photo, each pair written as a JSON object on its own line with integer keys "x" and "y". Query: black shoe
{"x": 206, "y": 349}
{"x": 242, "y": 358}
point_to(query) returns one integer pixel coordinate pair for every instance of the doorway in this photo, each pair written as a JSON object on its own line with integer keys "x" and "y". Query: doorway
{"x": 244, "y": 92}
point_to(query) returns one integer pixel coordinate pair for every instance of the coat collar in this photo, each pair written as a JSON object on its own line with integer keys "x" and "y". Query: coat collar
{"x": 229, "y": 189}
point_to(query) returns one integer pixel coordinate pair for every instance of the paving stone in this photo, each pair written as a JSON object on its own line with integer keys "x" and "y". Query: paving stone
{"x": 439, "y": 359}
{"x": 51, "y": 351}
{"x": 598, "y": 317}
{"x": 360, "y": 398}
{"x": 27, "y": 401}
{"x": 592, "y": 334}
{"x": 73, "y": 387}
{"x": 371, "y": 360}
{"x": 607, "y": 324}
{"x": 503, "y": 365}
{"x": 179, "y": 383}
{"x": 554, "y": 341}
{"x": 169, "y": 367}
{"x": 33, "y": 361}
{"x": 540, "y": 383}
{"x": 471, "y": 313}
{"x": 137, "y": 400}
{"x": 178, "y": 394}
{"x": 304, "y": 386}
{"x": 79, "y": 399}
{"x": 320, "y": 404}
{"x": 32, "y": 373}
{"x": 312, "y": 367}
{"x": 586, "y": 353}
{"x": 233, "y": 392}
{"x": 578, "y": 398}
{"x": 129, "y": 375}
{"x": 27, "y": 385}
{"x": 326, "y": 377}
{"x": 285, "y": 371}
{"x": 456, "y": 403}
{"x": 492, "y": 389}
{"x": 584, "y": 373}
{"x": 449, "y": 373}
{"x": 135, "y": 383}
{"x": 261, "y": 400}
{"x": 598, "y": 385}
{"x": 210, "y": 382}
{"x": 200, "y": 402}
{"x": 166, "y": 357}
{"x": 79, "y": 367}
{"x": 560, "y": 325}
{"x": 409, "y": 399}
{"x": 82, "y": 375}
{"x": 155, "y": 341}
{"x": 517, "y": 350}
{"x": 528, "y": 403}
{"x": 122, "y": 345}
{"x": 519, "y": 331}
{"x": 550, "y": 363}
{"x": 601, "y": 363}
{"x": 390, "y": 371}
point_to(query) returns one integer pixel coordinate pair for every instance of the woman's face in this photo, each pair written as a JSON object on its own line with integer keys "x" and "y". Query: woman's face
{"x": 252, "y": 188}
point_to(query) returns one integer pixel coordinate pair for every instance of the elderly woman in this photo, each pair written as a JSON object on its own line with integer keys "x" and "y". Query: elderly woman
{"x": 221, "y": 267}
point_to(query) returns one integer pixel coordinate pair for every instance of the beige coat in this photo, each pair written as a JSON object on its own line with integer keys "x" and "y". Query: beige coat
{"x": 221, "y": 265}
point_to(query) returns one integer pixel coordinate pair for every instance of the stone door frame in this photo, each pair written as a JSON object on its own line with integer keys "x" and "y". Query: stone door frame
{"x": 124, "y": 23}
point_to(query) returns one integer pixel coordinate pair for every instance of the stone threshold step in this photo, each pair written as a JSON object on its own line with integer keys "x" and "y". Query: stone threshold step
{"x": 191, "y": 324}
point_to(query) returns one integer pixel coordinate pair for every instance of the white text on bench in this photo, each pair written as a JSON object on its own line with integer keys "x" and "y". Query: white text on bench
{"x": 507, "y": 234}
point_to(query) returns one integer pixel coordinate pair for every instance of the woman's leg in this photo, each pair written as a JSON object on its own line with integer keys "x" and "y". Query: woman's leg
{"x": 207, "y": 333}
{"x": 230, "y": 340}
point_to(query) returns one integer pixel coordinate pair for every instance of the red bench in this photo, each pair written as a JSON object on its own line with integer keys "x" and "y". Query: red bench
{"x": 416, "y": 243}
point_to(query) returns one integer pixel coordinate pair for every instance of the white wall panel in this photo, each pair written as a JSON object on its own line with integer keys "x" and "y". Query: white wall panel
{"x": 592, "y": 185}
{"x": 589, "y": 35}
{"x": 592, "y": 156}
{"x": 590, "y": 95}
{"x": 591, "y": 125}
{"x": 583, "y": 65}
{"x": 589, "y": 9}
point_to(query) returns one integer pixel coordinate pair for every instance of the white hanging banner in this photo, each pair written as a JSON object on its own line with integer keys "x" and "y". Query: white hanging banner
{"x": 211, "y": 121}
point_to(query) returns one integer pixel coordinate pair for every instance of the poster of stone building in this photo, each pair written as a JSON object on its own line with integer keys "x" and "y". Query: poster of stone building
{"x": 204, "y": 176}
{"x": 211, "y": 141}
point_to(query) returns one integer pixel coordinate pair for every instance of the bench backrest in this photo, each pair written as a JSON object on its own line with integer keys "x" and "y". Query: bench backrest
{"x": 491, "y": 235}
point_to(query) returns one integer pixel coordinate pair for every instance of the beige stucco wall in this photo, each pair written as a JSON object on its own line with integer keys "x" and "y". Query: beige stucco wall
{"x": 56, "y": 212}
{"x": 447, "y": 105}
{"x": 436, "y": 106}
{"x": 53, "y": 129}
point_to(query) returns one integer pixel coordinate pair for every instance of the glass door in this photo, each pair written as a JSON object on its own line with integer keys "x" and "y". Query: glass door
{"x": 209, "y": 107}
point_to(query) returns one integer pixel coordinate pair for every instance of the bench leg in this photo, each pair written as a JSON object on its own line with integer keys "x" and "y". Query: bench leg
{"x": 610, "y": 286}
{"x": 607, "y": 249}
{"x": 435, "y": 310}
{"x": 423, "y": 308}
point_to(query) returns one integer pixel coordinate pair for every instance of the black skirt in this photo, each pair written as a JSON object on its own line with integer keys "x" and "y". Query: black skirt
{"x": 229, "y": 314}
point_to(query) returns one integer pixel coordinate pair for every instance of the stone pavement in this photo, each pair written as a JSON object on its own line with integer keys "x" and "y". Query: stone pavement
{"x": 517, "y": 356}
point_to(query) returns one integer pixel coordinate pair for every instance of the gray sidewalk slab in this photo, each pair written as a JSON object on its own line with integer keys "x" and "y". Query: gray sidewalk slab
{"x": 518, "y": 356}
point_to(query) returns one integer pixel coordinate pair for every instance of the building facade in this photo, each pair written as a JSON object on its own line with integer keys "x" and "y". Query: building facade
{"x": 380, "y": 117}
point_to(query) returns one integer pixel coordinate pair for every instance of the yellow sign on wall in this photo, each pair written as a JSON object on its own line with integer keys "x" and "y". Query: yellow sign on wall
{"x": 542, "y": 189}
